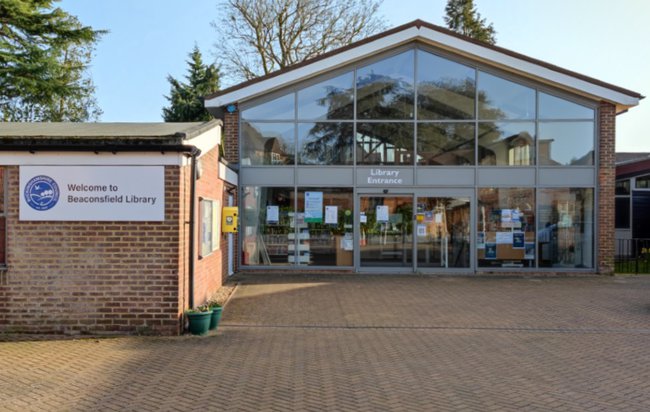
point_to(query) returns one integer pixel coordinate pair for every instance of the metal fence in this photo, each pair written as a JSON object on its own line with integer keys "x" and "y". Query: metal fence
{"x": 632, "y": 256}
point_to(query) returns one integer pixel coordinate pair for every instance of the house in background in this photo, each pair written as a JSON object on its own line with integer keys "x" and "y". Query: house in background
{"x": 632, "y": 198}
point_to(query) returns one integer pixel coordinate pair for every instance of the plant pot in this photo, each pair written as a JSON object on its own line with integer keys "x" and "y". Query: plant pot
{"x": 216, "y": 317}
{"x": 199, "y": 322}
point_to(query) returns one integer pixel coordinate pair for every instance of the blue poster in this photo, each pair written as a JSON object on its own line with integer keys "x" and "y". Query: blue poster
{"x": 518, "y": 240}
{"x": 314, "y": 207}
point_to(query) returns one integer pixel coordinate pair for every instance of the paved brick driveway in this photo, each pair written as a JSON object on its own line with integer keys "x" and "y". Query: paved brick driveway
{"x": 368, "y": 344}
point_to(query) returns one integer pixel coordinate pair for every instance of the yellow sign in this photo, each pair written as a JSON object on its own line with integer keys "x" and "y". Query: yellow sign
{"x": 229, "y": 219}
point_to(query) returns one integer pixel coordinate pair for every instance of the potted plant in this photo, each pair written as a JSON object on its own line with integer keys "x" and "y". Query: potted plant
{"x": 199, "y": 319}
{"x": 216, "y": 315}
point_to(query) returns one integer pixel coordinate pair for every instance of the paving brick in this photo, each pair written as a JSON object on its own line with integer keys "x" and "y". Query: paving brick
{"x": 365, "y": 344}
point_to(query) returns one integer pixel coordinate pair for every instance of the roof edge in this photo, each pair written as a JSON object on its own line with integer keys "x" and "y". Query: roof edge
{"x": 418, "y": 24}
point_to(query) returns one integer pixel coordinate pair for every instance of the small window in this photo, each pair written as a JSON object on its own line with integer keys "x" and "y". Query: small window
{"x": 551, "y": 107}
{"x": 281, "y": 108}
{"x": 622, "y": 213}
{"x": 385, "y": 88}
{"x": 501, "y": 99}
{"x": 210, "y": 213}
{"x": 566, "y": 143}
{"x": 332, "y": 99}
{"x": 643, "y": 182}
{"x": 446, "y": 89}
{"x": 623, "y": 187}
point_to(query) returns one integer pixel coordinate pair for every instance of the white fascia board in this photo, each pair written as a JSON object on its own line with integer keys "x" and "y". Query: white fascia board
{"x": 227, "y": 174}
{"x": 314, "y": 69}
{"x": 206, "y": 141}
{"x": 441, "y": 40}
{"x": 23, "y": 158}
{"x": 527, "y": 68}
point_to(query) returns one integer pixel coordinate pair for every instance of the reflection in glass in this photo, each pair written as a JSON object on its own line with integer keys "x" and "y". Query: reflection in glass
{"x": 622, "y": 207}
{"x": 565, "y": 229}
{"x": 642, "y": 182}
{"x": 385, "y": 143}
{"x": 447, "y": 144}
{"x": 325, "y": 238}
{"x": 551, "y": 107}
{"x": 267, "y": 143}
{"x": 385, "y": 88}
{"x": 623, "y": 187}
{"x": 281, "y": 108}
{"x": 267, "y": 225}
{"x": 325, "y": 143}
{"x": 506, "y": 144}
{"x": 566, "y": 143}
{"x": 506, "y": 228}
{"x": 332, "y": 99}
{"x": 443, "y": 232}
{"x": 501, "y": 99}
{"x": 386, "y": 231}
{"x": 446, "y": 89}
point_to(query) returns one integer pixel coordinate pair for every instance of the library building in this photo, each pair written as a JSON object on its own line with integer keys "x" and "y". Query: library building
{"x": 419, "y": 150}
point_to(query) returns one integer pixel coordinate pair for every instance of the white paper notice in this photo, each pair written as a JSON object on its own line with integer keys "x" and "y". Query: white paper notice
{"x": 504, "y": 237}
{"x": 506, "y": 215}
{"x": 438, "y": 217}
{"x": 272, "y": 214}
{"x": 331, "y": 215}
{"x": 382, "y": 213}
{"x": 363, "y": 218}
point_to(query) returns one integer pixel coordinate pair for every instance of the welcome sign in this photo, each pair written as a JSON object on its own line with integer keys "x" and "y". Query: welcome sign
{"x": 86, "y": 193}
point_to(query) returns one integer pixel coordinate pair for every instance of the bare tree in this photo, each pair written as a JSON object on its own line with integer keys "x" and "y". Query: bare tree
{"x": 256, "y": 37}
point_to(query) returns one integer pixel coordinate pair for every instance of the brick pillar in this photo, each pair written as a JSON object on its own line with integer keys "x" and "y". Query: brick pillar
{"x": 231, "y": 153}
{"x": 606, "y": 183}
{"x": 231, "y": 136}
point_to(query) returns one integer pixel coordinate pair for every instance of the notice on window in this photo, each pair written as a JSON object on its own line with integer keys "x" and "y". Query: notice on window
{"x": 506, "y": 215}
{"x": 382, "y": 213}
{"x": 480, "y": 240}
{"x": 504, "y": 238}
{"x": 331, "y": 215}
{"x": 363, "y": 218}
{"x": 438, "y": 218}
{"x": 422, "y": 230}
{"x": 490, "y": 250}
{"x": 529, "y": 251}
{"x": 313, "y": 207}
{"x": 518, "y": 240}
{"x": 272, "y": 215}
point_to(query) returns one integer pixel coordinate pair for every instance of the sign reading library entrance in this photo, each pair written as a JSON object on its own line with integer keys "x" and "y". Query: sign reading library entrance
{"x": 83, "y": 193}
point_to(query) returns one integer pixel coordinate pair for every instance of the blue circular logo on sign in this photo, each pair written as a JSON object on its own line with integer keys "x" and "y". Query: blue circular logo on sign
{"x": 41, "y": 193}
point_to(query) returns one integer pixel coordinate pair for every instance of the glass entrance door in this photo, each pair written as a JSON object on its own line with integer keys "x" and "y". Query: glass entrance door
{"x": 428, "y": 231}
{"x": 386, "y": 231}
{"x": 442, "y": 228}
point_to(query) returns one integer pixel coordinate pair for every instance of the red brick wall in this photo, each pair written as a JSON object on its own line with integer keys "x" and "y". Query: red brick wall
{"x": 231, "y": 151}
{"x": 94, "y": 276}
{"x": 208, "y": 273}
{"x": 231, "y": 137}
{"x": 606, "y": 181}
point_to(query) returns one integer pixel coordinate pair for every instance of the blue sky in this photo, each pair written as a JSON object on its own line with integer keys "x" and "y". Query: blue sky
{"x": 150, "y": 39}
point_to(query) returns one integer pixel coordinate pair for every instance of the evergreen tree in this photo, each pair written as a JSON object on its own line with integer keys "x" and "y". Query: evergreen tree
{"x": 44, "y": 53}
{"x": 186, "y": 99}
{"x": 461, "y": 16}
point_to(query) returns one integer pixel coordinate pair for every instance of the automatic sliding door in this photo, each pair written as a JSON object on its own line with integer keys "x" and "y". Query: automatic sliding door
{"x": 386, "y": 231}
{"x": 443, "y": 232}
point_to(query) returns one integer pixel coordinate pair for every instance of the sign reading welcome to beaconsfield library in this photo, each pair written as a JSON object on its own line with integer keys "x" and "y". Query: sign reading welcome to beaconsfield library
{"x": 86, "y": 193}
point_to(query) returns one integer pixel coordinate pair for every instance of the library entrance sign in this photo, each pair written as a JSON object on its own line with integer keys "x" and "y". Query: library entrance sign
{"x": 87, "y": 193}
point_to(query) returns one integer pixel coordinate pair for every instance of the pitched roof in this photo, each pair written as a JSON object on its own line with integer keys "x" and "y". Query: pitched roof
{"x": 26, "y": 135}
{"x": 631, "y": 157}
{"x": 421, "y": 31}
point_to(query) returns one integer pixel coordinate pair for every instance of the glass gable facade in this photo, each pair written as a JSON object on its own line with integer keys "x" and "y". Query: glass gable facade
{"x": 418, "y": 122}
